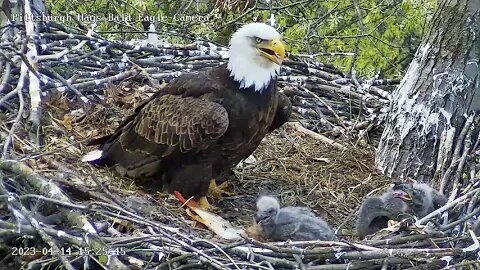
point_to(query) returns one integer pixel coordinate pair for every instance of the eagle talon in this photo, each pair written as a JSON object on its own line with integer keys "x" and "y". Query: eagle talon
{"x": 216, "y": 191}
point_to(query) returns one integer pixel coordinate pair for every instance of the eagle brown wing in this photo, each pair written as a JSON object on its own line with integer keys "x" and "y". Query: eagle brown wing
{"x": 284, "y": 110}
{"x": 167, "y": 126}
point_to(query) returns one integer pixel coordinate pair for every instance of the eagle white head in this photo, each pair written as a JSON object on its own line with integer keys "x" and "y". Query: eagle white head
{"x": 255, "y": 55}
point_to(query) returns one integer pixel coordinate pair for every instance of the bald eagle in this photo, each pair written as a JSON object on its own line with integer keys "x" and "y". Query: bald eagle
{"x": 200, "y": 125}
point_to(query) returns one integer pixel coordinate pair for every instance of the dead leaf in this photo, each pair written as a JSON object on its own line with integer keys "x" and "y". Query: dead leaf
{"x": 216, "y": 224}
{"x": 67, "y": 122}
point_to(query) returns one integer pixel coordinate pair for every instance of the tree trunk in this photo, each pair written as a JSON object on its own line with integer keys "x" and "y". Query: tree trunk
{"x": 432, "y": 119}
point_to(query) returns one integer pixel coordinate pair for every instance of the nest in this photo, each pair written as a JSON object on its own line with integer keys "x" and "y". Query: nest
{"x": 234, "y": 5}
{"x": 59, "y": 212}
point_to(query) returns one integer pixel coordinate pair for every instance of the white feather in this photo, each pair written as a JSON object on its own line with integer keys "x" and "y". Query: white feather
{"x": 246, "y": 64}
{"x": 92, "y": 155}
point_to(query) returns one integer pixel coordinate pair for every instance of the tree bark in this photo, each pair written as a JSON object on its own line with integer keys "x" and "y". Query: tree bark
{"x": 432, "y": 119}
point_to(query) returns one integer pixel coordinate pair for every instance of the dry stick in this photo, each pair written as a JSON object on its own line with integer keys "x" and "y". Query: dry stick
{"x": 50, "y": 189}
{"x": 299, "y": 127}
{"x": 48, "y": 239}
{"x": 461, "y": 220}
{"x": 347, "y": 219}
{"x": 46, "y": 187}
{"x": 63, "y": 53}
{"x": 29, "y": 229}
{"x": 314, "y": 247}
{"x": 67, "y": 50}
{"x": 473, "y": 202}
{"x": 463, "y": 158}
{"x": 319, "y": 243}
{"x": 326, "y": 105}
{"x": 31, "y": 56}
{"x": 8, "y": 96}
{"x": 68, "y": 85}
{"x": 17, "y": 206}
{"x": 456, "y": 153}
{"x": 5, "y": 77}
{"x": 114, "y": 78}
{"x": 107, "y": 192}
{"x": 203, "y": 256}
{"x": 360, "y": 264}
{"x": 252, "y": 265}
{"x": 411, "y": 253}
{"x": 178, "y": 258}
{"x": 75, "y": 185}
{"x": 475, "y": 147}
{"x": 447, "y": 206}
{"x": 51, "y": 152}
{"x": 90, "y": 207}
{"x": 219, "y": 249}
{"x": 65, "y": 204}
{"x": 397, "y": 240}
{"x": 18, "y": 89}
{"x": 249, "y": 254}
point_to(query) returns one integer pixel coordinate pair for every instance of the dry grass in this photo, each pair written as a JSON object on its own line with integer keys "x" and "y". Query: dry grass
{"x": 303, "y": 171}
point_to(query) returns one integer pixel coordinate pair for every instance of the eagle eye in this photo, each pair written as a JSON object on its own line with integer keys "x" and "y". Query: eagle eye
{"x": 258, "y": 40}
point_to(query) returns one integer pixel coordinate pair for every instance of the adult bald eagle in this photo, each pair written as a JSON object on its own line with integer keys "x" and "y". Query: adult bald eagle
{"x": 199, "y": 126}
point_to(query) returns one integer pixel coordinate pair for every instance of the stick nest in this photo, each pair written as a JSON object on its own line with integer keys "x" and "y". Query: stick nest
{"x": 58, "y": 212}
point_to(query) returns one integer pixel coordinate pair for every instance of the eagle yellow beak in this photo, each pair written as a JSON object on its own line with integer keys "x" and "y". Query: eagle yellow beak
{"x": 273, "y": 50}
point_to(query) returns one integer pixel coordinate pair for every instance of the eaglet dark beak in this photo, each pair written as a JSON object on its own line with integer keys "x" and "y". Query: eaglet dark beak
{"x": 406, "y": 196}
{"x": 262, "y": 219}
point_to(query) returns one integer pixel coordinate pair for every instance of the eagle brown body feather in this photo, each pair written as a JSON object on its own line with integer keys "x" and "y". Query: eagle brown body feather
{"x": 196, "y": 128}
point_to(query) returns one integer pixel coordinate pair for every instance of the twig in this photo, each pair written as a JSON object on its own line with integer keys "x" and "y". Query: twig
{"x": 18, "y": 90}
{"x": 300, "y": 128}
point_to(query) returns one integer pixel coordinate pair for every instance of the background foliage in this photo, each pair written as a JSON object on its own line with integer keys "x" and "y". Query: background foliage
{"x": 372, "y": 37}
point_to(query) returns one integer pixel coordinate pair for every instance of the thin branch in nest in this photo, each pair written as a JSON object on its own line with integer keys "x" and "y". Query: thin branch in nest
{"x": 455, "y": 160}
{"x": 34, "y": 82}
{"x": 68, "y": 85}
{"x": 43, "y": 186}
{"x": 17, "y": 206}
{"x": 8, "y": 96}
{"x": 107, "y": 192}
{"x": 447, "y": 206}
{"x": 5, "y": 77}
{"x": 18, "y": 90}
{"x": 299, "y": 127}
